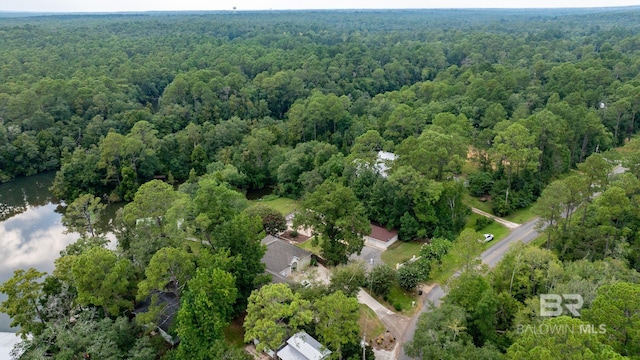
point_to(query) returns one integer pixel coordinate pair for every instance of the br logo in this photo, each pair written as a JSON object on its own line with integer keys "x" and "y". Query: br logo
{"x": 551, "y": 304}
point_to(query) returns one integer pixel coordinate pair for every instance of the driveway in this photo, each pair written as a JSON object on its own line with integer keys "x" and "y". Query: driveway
{"x": 370, "y": 256}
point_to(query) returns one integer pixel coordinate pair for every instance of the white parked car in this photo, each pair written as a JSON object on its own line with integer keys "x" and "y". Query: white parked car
{"x": 488, "y": 237}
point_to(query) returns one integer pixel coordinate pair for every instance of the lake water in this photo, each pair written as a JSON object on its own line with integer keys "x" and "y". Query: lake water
{"x": 31, "y": 231}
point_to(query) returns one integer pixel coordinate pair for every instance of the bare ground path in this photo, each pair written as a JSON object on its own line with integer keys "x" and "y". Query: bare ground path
{"x": 507, "y": 223}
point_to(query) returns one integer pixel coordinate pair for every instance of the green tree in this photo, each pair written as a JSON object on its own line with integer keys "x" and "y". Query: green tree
{"x": 334, "y": 213}
{"x": 213, "y": 205}
{"x": 169, "y": 268}
{"x": 525, "y": 272}
{"x": 434, "y": 154}
{"x": 480, "y": 183}
{"x": 90, "y": 335}
{"x": 273, "y": 222}
{"x": 514, "y": 149}
{"x": 532, "y": 344}
{"x": 466, "y": 249}
{"x": 83, "y": 214}
{"x": 23, "y": 305}
{"x": 242, "y": 238}
{"x": 412, "y": 274}
{"x": 616, "y": 307}
{"x": 380, "y": 279}
{"x": 435, "y": 250}
{"x": 103, "y": 280}
{"x": 409, "y": 227}
{"x": 274, "y": 314}
{"x": 337, "y": 320}
{"x": 551, "y": 207}
{"x": 473, "y": 293}
{"x": 612, "y": 207}
{"x": 442, "y": 334}
{"x": 205, "y": 310}
{"x": 348, "y": 278}
{"x": 146, "y": 224}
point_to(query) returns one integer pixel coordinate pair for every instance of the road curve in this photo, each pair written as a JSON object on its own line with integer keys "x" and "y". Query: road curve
{"x": 492, "y": 256}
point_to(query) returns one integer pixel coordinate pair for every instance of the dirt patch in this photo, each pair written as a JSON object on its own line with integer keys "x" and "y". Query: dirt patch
{"x": 299, "y": 239}
{"x": 385, "y": 341}
{"x": 256, "y": 355}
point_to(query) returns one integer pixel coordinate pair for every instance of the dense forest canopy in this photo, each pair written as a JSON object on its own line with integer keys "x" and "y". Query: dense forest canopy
{"x": 177, "y": 113}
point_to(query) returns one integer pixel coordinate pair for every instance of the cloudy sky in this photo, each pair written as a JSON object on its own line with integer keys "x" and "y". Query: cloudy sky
{"x": 145, "y": 5}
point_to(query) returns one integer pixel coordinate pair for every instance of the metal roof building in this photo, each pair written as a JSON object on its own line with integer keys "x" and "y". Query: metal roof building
{"x": 302, "y": 346}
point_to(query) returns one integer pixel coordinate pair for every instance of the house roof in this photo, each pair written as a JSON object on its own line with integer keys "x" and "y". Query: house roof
{"x": 382, "y": 234}
{"x": 280, "y": 254}
{"x": 302, "y": 346}
{"x": 170, "y": 304}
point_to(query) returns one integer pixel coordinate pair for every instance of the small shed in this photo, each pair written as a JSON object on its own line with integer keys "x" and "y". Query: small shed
{"x": 380, "y": 238}
{"x": 302, "y": 346}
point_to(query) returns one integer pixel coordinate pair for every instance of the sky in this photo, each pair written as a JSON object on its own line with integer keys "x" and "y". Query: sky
{"x": 165, "y": 5}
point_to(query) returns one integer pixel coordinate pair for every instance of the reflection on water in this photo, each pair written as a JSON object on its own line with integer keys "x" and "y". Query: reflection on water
{"x": 33, "y": 238}
{"x": 17, "y": 195}
{"x": 31, "y": 232}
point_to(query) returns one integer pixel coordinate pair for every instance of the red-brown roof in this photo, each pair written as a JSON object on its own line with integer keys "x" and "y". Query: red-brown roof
{"x": 382, "y": 234}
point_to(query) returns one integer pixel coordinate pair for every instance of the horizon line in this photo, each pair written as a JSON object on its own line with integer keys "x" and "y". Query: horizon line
{"x": 59, "y": 12}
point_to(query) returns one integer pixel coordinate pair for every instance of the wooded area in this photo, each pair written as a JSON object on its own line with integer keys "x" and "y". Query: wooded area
{"x": 179, "y": 114}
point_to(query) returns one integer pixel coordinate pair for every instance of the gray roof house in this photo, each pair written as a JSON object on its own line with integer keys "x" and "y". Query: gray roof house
{"x": 282, "y": 258}
{"x": 302, "y": 346}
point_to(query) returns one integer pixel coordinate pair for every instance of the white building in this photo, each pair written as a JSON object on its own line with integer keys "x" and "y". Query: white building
{"x": 302, "y": 346}
{"x": 380, "y": 238}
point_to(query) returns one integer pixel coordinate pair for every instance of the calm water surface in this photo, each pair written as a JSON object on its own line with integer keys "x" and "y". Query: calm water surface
{"x": 31, "y": 232}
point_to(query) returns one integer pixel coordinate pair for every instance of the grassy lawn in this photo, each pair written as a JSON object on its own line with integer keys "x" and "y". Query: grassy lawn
{"x": 471, "y": 220}
{"x": 369, "y": 323}
{"x": 398, "y": 296}
{"x": 450, "y": 265}
{"x": 540, "y": 241}
{"x": 498, "y": 230}
{"x": 284, "y": 205}
{"x": 521, "y": 216}
{"x": 400, "y": 252}
{"x": 234, "y": 334}
{"x": 307, "y": 245}
{"x": 442, "y": 273}
{"x": 476, "y": 203}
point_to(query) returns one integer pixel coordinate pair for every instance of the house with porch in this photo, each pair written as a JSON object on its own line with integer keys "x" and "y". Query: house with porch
{"x": 282, "y": 258}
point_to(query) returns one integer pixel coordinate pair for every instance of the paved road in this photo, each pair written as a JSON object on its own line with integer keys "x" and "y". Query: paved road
{"x": 525, "y": 233}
